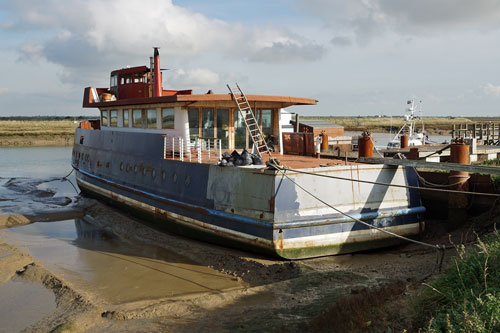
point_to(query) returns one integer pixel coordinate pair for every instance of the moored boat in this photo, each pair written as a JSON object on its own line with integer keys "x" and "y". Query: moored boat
{"x": 157, "y": 153}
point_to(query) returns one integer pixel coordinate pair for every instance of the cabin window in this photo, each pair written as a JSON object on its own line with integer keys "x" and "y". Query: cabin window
{"x": 137, "y": 118}
{"x": 266, "y": 122}
{"x": 194, "y": 122}
{"x": 167, "y": 118}
{"x": 151, "y": 118}
{"x": 125, "y": 118}
{"x": 113, "y": 118}
{"x": 113, "y": 81}
{"x": 128, "y": 80}
{"x": 207, "y": 123}
{"x": 122, "y": 80}
{"x": 104, "y": 120}
{"x": 240, "y": 131}
{"x": 223, "y": 127}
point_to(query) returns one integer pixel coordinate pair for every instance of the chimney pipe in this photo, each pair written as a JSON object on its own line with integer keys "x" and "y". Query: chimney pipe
{"x": 157, "y": 88}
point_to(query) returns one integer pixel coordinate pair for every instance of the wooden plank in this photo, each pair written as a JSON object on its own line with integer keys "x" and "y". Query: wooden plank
{"x": 433, "y": 165}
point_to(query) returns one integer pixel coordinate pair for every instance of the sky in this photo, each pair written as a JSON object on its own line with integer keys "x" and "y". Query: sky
{"x": 356, "y": 57}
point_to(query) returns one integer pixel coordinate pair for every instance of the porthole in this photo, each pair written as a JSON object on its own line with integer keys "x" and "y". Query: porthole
{"x": 144, "y": 172}
{"x": 136, "y": 168}
{"x": 121, "y": 166}
{"x": 129, "y": 168}
{"x": 163, "y": 175}
{"x": 153, "y": 173}
{"x": 174, "y": 177}
{"x": 187, "y": 180}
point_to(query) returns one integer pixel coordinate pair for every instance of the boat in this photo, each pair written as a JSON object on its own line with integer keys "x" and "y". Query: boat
{"x": 158, "y": 153}
{"x": 409, "y": 128}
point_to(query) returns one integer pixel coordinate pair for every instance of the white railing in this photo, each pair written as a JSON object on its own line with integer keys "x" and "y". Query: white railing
{"x": 196, "y": 149}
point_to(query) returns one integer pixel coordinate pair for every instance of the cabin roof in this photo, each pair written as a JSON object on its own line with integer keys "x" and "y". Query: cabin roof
{"x": 283, "y": 101}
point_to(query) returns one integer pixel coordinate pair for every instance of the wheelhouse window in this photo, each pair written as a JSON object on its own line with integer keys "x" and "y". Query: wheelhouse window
{"x": 104, "y": 118}
{"x": 137, "y": 118}
{"x": 113, "y": 81}
{"x": 113, "y": 118}
{"x": 167, "y": 118}
{"x": 151, "y": 118}
{"x": 125, "y": 118}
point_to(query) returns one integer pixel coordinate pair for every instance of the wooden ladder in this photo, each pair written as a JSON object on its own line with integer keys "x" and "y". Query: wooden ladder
{"x": 249, "y": 117}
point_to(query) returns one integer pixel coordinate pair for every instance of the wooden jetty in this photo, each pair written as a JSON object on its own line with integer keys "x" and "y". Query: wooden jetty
{"x": 485, "y": 133}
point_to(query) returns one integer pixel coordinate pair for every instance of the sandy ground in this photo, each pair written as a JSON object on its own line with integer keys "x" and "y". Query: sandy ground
{"x": 267, "y": 295}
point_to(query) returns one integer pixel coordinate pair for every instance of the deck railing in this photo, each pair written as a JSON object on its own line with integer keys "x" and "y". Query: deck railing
{"x": 197, "y": 149}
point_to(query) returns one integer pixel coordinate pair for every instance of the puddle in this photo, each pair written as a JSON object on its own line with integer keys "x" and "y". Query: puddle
{"x": 111, "y": 268}
{"x": 23, "y": 304}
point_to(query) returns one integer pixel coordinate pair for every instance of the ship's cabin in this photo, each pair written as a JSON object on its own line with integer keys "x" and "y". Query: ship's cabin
{"x": 137, "y": 102}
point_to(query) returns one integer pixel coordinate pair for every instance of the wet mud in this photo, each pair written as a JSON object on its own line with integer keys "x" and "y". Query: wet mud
{"x": 26, "y": 200}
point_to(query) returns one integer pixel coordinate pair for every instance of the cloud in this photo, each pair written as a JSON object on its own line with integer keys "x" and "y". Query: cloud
{"x": 289, "y": 52}
{"x": 30, "y": 52}
{"x": 3, "y": 90}
{"x": 198, "y": 78}
{"x": 92, "y": 36}
{"x": 491, "y": 89}
{"x": 341, "y": 41}
{"x": 368, "y": 19}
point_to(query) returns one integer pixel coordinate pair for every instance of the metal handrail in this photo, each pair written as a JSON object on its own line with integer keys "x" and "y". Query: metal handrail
{"x": 199, "y": 149}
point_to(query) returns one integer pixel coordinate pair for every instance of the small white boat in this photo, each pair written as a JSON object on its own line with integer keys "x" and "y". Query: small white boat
{"x": 415, "y": 137}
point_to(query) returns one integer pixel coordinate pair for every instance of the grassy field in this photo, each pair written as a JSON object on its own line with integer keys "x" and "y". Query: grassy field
{"x": 37, "y": 132}
{"x": 433, "y": 125}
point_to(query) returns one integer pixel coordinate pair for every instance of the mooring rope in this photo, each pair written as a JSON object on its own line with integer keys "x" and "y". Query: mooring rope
{"x": 65, "y": 178}
{"x": 395, "y": 185}
{"x": 439, "y": 248}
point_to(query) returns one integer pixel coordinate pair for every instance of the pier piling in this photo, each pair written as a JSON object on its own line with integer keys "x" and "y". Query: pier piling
{"x": 457, "y": 203}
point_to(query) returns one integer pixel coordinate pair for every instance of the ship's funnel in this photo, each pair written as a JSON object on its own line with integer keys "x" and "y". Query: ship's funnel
{"x": 157, "y": 88}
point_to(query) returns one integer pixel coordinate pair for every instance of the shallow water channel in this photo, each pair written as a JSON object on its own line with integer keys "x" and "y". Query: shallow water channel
{"x": 112, "y": 269}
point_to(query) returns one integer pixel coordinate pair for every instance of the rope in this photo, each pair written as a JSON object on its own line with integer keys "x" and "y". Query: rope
{"x": 436, "y": 152}
{"x": 428, "y": 183}
{"x": 375, "y": 147}
{"x": 65, "y": 178}
{"x": 394, "y": 185}
{"x": 439, "y": 248}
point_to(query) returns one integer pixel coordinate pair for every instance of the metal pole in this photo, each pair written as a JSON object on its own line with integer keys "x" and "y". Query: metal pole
{"x": 164, "y": 146}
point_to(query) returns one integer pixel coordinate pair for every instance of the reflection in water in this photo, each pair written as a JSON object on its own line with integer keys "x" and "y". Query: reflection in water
{"x": 115, "y": 269}
{"x": 23, "y": 304}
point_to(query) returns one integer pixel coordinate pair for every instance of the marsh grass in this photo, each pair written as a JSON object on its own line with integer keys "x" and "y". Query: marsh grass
{"x": 466, "y": 298}
{"x": 37, "y": 132}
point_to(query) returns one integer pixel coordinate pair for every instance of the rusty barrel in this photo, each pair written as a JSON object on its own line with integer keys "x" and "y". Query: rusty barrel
{"x": 365, "y": 146}
{"x": 404, "y": 141}
{"x": 324, "y": 141}
{"x": 457, "y": 203}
